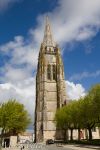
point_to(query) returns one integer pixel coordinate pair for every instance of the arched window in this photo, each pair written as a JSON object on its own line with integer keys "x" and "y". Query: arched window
{"x": 54, "y": 72}
{"x": 49, "y": 72}
{"x": 45, "y": 49}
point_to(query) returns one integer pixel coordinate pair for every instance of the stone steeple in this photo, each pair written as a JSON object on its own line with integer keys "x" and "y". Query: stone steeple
{"x": 50, "y": 88}
{"x": 48, "y": 38}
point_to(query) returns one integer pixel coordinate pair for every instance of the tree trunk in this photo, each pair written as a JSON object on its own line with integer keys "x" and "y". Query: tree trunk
{"x": 86, "y": 134}
{"x": 79, "y": 134}
{"x": 90, "y": 133}
{"x": 2, "y": 133}
{"x": 66, "y": 135}
{"x": 71, "y": 136}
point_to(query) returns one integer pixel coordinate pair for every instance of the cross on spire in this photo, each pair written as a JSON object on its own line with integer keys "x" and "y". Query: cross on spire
{"x": 48, "y": 39}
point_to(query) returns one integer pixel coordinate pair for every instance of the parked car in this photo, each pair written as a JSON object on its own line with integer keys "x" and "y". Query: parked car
{"x": 50, "y": 141}
{"x": 27, "y": 142}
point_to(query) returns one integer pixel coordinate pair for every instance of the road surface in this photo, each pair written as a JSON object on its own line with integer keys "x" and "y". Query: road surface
{"x": 52, "y": 147}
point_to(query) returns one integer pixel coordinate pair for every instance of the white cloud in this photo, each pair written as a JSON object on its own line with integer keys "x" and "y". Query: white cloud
{"x": 75, "y": 20}
{"x": 4, "y": 4}
{"x": 74, "y": 91}
{"x": 23, "y": 59}
{"x": 80, "y": 76}
{"x": 23, "y": 91}
{"x": 15, "y": 75}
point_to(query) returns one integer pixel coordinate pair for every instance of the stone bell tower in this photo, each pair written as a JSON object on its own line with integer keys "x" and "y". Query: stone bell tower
{"x": 50, "y": 87}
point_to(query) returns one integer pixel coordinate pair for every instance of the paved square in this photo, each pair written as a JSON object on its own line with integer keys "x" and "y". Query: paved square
{"x": 53, "y": 147}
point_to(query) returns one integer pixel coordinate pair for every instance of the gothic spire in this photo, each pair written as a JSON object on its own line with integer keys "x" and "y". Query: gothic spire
{"x": 48, "y": 39}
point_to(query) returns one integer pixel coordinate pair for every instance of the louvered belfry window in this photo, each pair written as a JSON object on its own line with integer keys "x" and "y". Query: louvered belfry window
{"x": 54, "y": 72}
{"x": 49, "y": 72}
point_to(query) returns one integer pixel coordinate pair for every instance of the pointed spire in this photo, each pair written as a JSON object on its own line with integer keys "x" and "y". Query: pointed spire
{"x": 48, "y": 39}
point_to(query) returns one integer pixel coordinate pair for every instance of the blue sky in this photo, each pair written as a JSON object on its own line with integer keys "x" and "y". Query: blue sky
{"x": 75, "y": 27}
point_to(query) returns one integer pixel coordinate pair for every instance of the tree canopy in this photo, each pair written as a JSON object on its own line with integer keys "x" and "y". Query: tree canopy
{"x": 13, "y": 117}
{"x": 81, "y": 114}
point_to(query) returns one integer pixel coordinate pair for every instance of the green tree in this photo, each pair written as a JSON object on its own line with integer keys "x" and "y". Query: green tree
{"x": 94, "y": 95}
{"x": 13, "y": 117}
{"x": 86, "y": 115}
{"x": 74, "y": 117}
{"x": 69, "y": 109}
{"x": 90, "y": 109}
{"x": 67, "y": 118}
{"x": 81, "y": 114}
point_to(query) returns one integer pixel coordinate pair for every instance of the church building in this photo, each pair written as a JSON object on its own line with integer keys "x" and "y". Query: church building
{"x": 50, "y": 87}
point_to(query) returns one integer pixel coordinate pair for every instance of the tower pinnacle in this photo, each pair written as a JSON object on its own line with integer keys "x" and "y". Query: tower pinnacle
{"x": 48, "y": 39}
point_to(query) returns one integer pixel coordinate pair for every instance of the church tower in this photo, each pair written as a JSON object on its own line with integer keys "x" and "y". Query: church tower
{"x": 50, "y": 87}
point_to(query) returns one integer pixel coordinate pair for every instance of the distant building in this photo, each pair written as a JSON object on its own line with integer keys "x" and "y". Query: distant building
{"x": 9, "y": 141}
{"x": 85, "y": 135}
{"x": 50, "y": 87}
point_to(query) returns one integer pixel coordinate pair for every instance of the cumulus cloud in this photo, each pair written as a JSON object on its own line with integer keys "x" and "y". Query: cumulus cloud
{"x": 75, "y": 91}
{"x": 76, "y": 21}
{"x": 5, "y": 4}
{"x": 80, "y": 76}
{"x": 23, "y": 91}
{"x": 23, "y": 59}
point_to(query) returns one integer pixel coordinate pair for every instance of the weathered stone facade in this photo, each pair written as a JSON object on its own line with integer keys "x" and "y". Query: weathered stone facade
{"x": 50, "y": 87}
